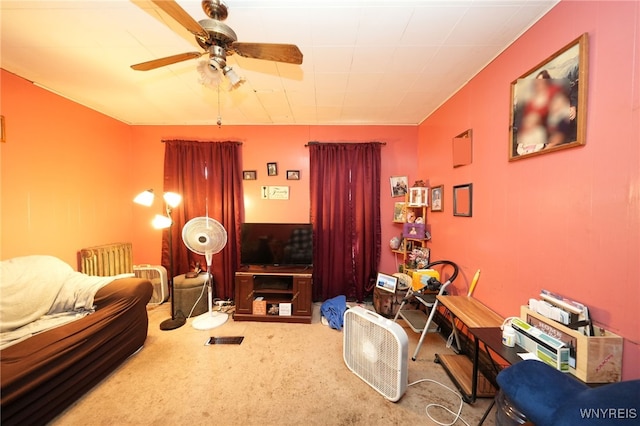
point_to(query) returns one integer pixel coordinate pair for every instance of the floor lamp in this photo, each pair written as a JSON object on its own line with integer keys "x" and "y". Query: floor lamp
{"x": 171, "y": 200}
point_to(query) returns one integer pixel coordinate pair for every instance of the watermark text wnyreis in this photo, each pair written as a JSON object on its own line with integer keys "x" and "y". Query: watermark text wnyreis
{"x": 609, "y": 413}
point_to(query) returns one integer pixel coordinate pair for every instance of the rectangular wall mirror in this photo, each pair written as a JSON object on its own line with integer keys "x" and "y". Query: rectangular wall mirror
{"x": 463, "y": 200}
{"x": 463, "y": 149}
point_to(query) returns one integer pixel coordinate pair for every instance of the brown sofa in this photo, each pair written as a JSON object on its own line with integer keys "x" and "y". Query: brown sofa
{"x": 44, "y": 374}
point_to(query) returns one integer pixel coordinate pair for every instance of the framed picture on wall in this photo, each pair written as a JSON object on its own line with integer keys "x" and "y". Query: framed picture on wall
{"x": 272, "y": 169}
{"x": 400, "y": 212}
{"x": 548, "y": 108}
{"x": 249, "y": 175}
{"x": 437, "y": 198}
{"x": 293, "y": 174}
{"x": 463, "y": 200}
{"x": 399, "y": 186}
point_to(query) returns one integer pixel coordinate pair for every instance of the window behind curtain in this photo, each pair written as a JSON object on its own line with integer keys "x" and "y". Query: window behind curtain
{"x": 217, "y": 193}
{"x": 345, "y": 212}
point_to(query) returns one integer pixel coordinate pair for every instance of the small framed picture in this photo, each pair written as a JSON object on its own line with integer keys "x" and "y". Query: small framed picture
{"x": 437, "y": 198}
{"x": 249, "y": 175}
{"x": 272, "y": 169}
{"x": 408, "y": 246}
{"x": 387, "y": 282}
{"x": 463, "y": 200}
{"x": 293, "y": 174}
{"x": 399, "y": 185}
{"x": 400, "y": 212}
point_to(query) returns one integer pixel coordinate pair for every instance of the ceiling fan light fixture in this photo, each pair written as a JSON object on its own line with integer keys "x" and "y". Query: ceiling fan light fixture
{"x": 218, "y": 40}
{"x": 209, "y": 74}
{"x": 235, "y": 80}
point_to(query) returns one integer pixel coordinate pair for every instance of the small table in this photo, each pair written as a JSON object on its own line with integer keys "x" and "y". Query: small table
{"x": 473, "y": 314}
{"x": 491, "y": 338}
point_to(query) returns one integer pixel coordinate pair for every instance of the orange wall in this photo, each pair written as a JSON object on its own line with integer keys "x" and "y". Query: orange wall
{"x": 284, "y": 145}
{"x": 64, "y": 168}
{"x": 69, "y": 174}
{"x": 567, "y": 221}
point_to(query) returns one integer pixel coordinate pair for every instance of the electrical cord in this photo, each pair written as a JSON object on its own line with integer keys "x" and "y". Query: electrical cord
{"x": 227, "y": 308}
{"x": 457, "y": 415}
{"x": 197, "y": 300}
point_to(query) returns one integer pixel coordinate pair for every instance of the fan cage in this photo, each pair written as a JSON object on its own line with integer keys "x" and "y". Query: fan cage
{"x": 376, "y": 350}
{"x": 204, "y": 235}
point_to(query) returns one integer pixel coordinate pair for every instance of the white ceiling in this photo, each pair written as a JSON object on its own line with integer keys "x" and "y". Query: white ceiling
{"x": 365, "y": 62}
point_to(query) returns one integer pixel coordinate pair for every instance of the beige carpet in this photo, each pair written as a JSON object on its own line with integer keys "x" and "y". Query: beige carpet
{"x": 282, "y": 374}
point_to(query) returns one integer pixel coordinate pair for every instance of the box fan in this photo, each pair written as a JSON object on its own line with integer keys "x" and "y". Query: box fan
{"x": 376, "y": 350}
{"x": 158, "y": 276}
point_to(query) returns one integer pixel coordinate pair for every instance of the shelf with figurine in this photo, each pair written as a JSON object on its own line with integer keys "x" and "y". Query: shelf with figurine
{"x": 412, "y": 213}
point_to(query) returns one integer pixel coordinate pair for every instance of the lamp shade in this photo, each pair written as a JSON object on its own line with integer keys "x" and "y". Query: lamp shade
{"x": 161, "y": 222}
{"x": 145, "y": 198}
{"x": 172, "y": 199}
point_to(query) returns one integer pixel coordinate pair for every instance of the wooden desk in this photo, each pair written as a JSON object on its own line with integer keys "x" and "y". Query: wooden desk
{"x": 460, "y": 369}
{"x": 470, "y": 311}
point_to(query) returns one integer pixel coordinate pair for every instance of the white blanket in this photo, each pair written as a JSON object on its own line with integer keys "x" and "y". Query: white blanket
{"x": 38, "y": 293}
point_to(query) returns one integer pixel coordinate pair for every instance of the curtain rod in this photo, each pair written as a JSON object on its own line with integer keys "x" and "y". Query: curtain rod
{"x": 329, "y": 143}
{"x": 179, "y": 140}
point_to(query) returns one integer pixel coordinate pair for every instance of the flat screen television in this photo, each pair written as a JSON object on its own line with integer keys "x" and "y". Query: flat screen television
{"x": 276, "y": 244}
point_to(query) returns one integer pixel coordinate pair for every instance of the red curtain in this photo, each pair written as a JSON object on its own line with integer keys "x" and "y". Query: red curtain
{"x": 208, "y": 175}
{"x": 345, "y": 212}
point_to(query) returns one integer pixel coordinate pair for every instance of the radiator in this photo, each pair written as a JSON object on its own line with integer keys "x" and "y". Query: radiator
{"x": 107, "y": 260}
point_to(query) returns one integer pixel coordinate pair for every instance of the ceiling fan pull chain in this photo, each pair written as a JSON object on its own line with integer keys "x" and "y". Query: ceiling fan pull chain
{"x": 219, "y": 116}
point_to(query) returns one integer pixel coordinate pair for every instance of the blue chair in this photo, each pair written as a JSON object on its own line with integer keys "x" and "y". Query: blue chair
{"x": 547, "y": 396}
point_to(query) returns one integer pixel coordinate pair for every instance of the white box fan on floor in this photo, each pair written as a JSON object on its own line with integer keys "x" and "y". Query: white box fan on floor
{"x": 376, "y": 350}
{"x": 158, "y": 276}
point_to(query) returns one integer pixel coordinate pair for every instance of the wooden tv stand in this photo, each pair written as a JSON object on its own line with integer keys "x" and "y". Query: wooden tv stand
{"x": 275, "y": 285}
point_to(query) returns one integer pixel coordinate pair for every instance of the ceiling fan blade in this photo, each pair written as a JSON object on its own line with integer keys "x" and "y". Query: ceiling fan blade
{"x": 157, "y": 63}
{"x": 288, "y": 53}
{"x": 174, "y": 10}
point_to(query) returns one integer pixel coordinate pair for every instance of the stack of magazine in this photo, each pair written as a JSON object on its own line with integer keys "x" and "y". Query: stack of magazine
{"x": 566, "y": 311}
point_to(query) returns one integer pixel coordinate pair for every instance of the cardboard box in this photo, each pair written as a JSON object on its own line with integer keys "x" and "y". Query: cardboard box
{"x": 420, "y": 278}
{"x": 259, "y": 307}
{"x": 595, "y": 359}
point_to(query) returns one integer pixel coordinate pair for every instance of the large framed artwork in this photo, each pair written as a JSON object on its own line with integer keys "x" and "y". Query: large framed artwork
{"x": 549, "y": 103}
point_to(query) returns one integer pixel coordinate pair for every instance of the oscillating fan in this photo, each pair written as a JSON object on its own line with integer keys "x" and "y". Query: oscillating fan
{"x": 206, "y": 236}
{"x": 376, "y": 350}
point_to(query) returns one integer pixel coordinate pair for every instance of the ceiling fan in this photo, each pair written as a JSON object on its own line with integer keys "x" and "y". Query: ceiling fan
{"x": 218, "y": 40}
